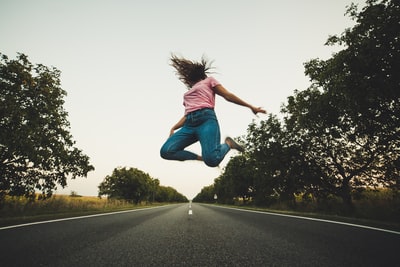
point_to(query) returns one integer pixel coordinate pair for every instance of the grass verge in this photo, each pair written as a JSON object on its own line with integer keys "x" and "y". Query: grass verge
{"x": 19, "y": 210}
{"x": 387, "y": 225}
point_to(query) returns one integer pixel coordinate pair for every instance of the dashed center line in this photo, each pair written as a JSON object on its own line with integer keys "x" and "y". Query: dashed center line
{"x": 190, "y": 208}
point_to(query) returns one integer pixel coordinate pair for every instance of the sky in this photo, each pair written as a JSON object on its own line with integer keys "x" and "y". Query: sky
{"x": 123, "y": 97}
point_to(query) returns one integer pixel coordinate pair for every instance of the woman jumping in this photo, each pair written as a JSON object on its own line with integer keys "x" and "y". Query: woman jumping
{"x": 200, "y": 122}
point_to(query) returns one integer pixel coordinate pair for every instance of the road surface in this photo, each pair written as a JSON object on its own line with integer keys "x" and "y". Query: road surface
{"x": 196, "y": 235}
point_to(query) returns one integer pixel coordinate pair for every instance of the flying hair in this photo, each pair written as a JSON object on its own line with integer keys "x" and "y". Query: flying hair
{"x": 190, "y": 72}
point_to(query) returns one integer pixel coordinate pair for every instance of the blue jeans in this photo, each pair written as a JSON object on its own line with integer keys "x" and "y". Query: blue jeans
{"x": 200, "y": 125}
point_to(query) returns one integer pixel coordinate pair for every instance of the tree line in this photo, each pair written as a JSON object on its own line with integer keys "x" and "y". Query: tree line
{"x": 339, "y": 136}
{"x": 137, "y": 186}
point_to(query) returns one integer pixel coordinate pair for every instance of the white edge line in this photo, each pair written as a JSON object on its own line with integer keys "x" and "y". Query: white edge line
{"x": 76, "y": 218}
{"x": 313, "y": 219}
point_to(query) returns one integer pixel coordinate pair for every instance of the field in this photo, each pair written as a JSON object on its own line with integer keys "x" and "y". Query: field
{"x": 374, "y": 207}
{"x": 15, "y": 210}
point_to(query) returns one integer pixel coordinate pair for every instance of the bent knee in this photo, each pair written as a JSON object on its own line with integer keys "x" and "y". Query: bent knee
{"x": 211, "y": 162}
{"x": 165, "y": 153}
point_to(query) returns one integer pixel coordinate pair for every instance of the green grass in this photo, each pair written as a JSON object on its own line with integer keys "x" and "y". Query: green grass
{"x": 375, "y": 208}
{"x": 18, "y": 210}
{"x": 388, "y": 225}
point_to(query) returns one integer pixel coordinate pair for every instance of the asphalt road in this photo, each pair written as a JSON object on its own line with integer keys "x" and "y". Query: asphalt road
{"x": 196, "y": 235}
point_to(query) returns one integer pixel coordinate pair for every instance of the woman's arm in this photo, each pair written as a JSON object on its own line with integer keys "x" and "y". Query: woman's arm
{"x": 220, "y": 90}
{"x": 178, "y": 125}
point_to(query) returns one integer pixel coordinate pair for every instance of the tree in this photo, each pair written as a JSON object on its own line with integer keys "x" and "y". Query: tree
{"x": 206, "y": 194}
{"x": 129, "y": 184}
{"x": 224, "y": 189}
{"x": 36, "y": 149}
{"x": 169, "y": 194}
{"x": 238, "y": 172}
{"x": 369, "y": 68}
{"x": 278, "y": 168}
{"x": 337, "y": 154}
{"x": 349, "y": 118}
{"x": 135, "y": 185}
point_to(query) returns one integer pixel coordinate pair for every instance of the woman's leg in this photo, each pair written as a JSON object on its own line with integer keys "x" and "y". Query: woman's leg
{"x": 213, "y": 151}
{"x": 173, "y": 148}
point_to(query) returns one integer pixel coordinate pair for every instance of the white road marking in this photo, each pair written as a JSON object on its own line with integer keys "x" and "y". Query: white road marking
{"x": 75, "y": 218}
{"x": 190, "y": 212}
{"x": 314, "y": 219}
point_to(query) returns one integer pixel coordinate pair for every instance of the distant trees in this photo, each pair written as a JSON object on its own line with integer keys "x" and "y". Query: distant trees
{"x": 206, "y": 194}
{"x": 340, "y": 134}
{"x": 167, "y": 194}
{"x": 135, "y": 185}
{"x": 236, "y": 181}
{"x": 37, "y": 152}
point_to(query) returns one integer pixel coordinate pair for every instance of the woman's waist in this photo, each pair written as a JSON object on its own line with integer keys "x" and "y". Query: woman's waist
{"x": 200, "y": 115}
{"x": 200, "y": 111}
{"x": 197, "y": 108}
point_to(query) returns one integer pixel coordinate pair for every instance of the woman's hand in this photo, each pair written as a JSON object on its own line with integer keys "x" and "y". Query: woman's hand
{"x": 178, "y": 125}
{"x": 258, "y": 110}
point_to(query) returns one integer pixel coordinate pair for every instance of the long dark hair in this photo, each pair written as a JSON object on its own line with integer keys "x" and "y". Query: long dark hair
{"x": 190, "y": 72}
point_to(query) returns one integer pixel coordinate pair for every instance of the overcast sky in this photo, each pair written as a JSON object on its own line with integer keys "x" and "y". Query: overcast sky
{"x": 123, "y": 97}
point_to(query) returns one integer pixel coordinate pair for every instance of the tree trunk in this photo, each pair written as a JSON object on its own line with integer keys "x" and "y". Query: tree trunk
{"x": 346, "y": 197}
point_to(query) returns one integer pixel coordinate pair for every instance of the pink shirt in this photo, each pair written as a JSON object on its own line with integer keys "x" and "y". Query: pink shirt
{"x": 201, "y": 95}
